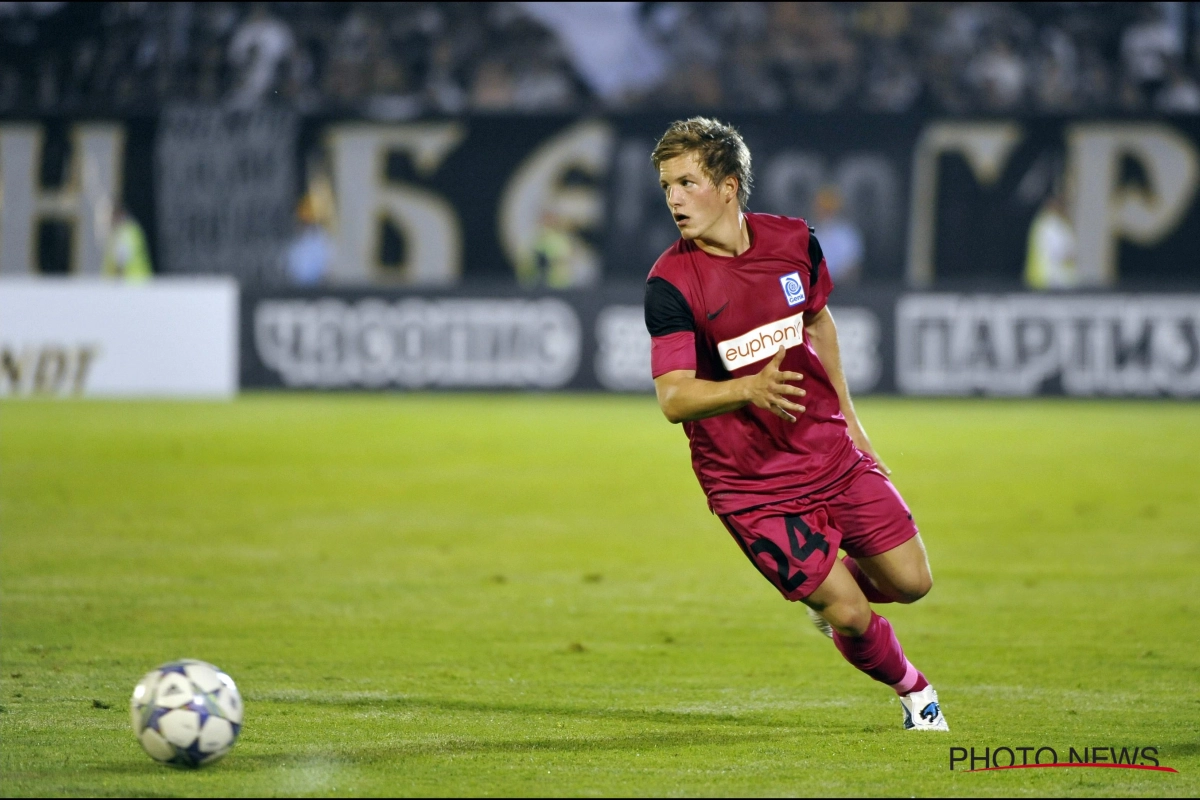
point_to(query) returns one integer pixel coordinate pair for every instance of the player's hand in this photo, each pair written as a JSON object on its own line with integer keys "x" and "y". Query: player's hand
{"x": 770, "y": 389}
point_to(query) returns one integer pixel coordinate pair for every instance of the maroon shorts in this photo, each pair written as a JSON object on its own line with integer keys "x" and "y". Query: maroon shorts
{"x": 795, "y": 542}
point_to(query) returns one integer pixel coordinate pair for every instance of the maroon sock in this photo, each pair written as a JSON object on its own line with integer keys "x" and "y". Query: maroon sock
{"x": 869, "y": 589}
{"x": 878, "y": 653}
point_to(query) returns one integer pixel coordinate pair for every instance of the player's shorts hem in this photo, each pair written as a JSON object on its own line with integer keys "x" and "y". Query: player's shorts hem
{"x": 880, "y": 545}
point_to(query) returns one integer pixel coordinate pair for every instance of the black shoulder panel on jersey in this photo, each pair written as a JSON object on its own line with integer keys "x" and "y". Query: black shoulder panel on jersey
{"x": 667, "y": 311}
{"x": 814, "y": 256}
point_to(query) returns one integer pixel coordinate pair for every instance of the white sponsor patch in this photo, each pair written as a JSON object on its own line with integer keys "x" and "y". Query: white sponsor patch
{"x": 762, "y": 343}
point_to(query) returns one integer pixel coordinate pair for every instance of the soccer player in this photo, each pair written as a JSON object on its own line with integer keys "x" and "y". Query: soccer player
{"x": 745, "y": 354}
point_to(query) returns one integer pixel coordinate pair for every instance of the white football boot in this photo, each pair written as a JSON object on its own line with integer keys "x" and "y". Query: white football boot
{"x": 922, "y": 712}
{"x": 824, "y": 627}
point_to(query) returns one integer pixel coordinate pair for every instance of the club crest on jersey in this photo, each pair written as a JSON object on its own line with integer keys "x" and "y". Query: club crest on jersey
{"x": 793, "y": 289}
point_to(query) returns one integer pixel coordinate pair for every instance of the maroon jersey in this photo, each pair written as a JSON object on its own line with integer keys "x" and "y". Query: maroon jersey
{"x": 725, "y": 318}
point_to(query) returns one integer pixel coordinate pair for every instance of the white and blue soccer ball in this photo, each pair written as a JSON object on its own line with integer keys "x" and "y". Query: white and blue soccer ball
{"x": 186, "y": 713}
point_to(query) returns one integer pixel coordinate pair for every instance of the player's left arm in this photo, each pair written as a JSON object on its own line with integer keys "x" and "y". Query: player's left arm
{"x": 822, "y": 334}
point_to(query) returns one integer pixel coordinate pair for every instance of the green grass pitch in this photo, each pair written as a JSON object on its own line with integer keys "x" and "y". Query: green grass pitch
{"x": 514, "y": 595}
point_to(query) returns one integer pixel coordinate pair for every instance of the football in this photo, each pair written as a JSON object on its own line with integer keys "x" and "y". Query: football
{"x": 186, "y": 713}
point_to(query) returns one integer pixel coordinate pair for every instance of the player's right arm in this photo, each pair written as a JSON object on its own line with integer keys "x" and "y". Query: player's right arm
{"x": 681, "y": 395}
{"x": 684, "y": 398}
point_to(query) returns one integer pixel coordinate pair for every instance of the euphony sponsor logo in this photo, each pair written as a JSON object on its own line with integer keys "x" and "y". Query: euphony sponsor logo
{"x": 762, "y": 342}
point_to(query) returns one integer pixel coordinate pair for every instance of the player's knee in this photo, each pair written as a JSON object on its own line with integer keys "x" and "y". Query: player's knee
{"x": 849, "y": 619}
{"x": 914, "y": 590}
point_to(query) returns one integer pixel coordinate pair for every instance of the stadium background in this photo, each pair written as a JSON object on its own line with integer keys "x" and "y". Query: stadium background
{"x": 322, "y": 155}
{"x": 409, "y": 198}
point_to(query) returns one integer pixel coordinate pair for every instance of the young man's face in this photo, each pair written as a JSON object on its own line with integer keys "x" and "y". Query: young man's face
{"x": 694, "y": 201}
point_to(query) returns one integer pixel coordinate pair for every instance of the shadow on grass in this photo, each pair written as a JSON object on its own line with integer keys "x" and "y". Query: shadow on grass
{"x": 688, "y": 729}
{"x": 53, "y": 783}
{"x": 1188, "y": 749}
{"x": 754, "y": 719}
{"x": 440, "y": 746}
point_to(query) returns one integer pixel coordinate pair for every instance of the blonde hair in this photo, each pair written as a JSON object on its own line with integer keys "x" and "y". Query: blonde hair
{"x": 718, "y": 147}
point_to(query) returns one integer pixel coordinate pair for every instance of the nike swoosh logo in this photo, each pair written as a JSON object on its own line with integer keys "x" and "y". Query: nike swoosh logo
{"x": 717, "y": 313}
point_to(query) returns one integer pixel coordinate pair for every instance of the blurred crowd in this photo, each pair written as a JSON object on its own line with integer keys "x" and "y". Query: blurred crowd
{"x": 403, "y": 60}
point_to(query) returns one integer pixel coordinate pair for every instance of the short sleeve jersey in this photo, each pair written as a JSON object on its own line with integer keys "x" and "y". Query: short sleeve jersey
{"x": 725, "y": 318}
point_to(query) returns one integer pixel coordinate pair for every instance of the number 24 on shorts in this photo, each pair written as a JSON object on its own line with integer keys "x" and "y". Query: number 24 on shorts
{"x": 812, "y": 542}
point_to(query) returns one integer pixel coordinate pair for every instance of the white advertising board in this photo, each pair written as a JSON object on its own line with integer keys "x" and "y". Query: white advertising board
{"x": 1024, "y": 345}
{"x": 77, "y": 336}
{"x": 416, "y": 342}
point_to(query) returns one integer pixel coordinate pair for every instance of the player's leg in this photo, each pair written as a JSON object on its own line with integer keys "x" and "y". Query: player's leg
{"x": 795, "y": 547}
{"x": 887, "y": 562}
{"x": 841, "y": 603}
{"x": 863, "y": 637}
{"x": 899, "y": 575}
{"x": 867, "y": 641}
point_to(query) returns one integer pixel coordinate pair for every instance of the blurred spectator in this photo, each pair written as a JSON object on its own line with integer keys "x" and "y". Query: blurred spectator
{"x": 952, "y": 41}
{"x": 259, "y": 47}
{"x": 354, "y": 44}
{"x": 828, "y": 72}
{"x": 841, "y": 241}
{"x": 684, "y": 33}
{"x": 492, "y": 88}
{"x": 748, "y": 80}
{"x": 542, "y": 86}
{"x": 1056, "y": 71}
{"x": 746, "y": 73}
{"x": 698, "y": 86}
{"x": 310, "y": 255}
{"x": 391, "y": 97}
{"x": 1181, "y": 95}
{"x": 1148, "y": 46}
{"x": 999, "y": 75}
{"x": 607, "y": 44}
{"x": 549, "y": 261}
{"x": 1050, "y": 251}
{"x": 810, "y": 48}
{"x": 398, "y": 61}
{"x": 126, "y": 254}
{"x": 887, "y": 22}
{"x": 892, "y": 82}
{"x": 443, "y": 90}
{"x": 1093, "y": 89}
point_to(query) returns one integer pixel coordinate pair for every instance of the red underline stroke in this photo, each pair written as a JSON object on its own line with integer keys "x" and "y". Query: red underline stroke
{"x": 1106, "y": 765}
